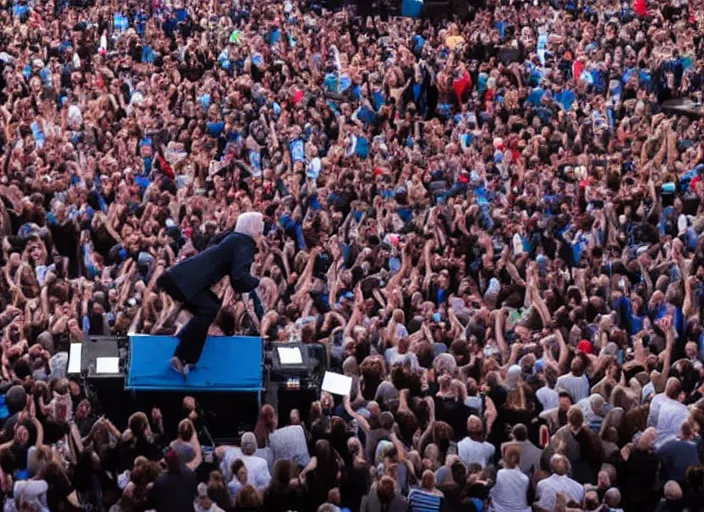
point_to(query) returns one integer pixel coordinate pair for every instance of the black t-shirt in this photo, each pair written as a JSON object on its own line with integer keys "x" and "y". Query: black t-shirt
{"x": 355, "y": 484}
{"x": 59, "y": 489}
{"x": 282, "y": 500}
{"x": 506, "y": 420}
{"x": 453, "y": 413}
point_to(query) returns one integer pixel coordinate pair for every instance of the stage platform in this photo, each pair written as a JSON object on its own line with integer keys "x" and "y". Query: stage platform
{"x": 227, "y": 364}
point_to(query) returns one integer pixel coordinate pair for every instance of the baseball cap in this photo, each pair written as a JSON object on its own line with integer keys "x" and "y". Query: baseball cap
{"x": 584, "y": 347}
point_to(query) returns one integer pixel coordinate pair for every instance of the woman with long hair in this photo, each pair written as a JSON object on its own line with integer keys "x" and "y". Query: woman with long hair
{"x": 31, "y": 274}
{"x": 90, "y": 481}
{"x": 281, "y": 496}
{"x": 138, "y": 440}
{"x": 324, "y": 475}
{"x": 266, "y": 424}
{"x": 218, "y": 491}
{"x": 520, "y": 407}
{"x": 60, "y": 495}
{"x": 135, "y": 497}
{"x": 355, "y": 479}
{"x": 450, "y": 405}
{"x": 248, "y": 500}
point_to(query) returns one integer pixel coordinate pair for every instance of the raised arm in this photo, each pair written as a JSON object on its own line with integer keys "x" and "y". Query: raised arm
{"x": 564, "y": 351}
{"x": 198, "y": 459}
{"x": 668, "y": 326}
{"x": 361, "y": 420}
{"x": 499, "y": 332}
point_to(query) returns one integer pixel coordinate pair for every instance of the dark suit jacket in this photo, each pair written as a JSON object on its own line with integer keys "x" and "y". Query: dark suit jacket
{"x": 233, "y": 256}
{"x": 175, "y": 492}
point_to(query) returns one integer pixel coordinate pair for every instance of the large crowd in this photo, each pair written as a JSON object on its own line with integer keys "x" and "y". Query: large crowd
{"x": 494, "y": 225}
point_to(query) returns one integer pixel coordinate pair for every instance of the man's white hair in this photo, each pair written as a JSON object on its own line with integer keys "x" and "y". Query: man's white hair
{"x": 248, "y": 444}
{"x": 250, "y": 223}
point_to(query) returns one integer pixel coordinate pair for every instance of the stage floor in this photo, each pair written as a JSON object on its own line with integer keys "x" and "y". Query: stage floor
{"x": 227, "y": 364}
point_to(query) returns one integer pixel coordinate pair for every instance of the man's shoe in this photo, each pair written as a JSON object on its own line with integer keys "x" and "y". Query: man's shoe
{"x": 179, "y": 367}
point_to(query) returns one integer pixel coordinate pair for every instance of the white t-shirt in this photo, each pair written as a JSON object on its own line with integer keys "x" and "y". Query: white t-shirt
{"x": 471, "y": 451}
{"x": 577, "y": 387}
{"x": 546, "y": 491}
{"x": 258, "y": 474}
{"x": 548, "y": 397}
{"x": 510, "y": 492}
{"x": 28, "y": 491}
{"x": 672, "y": 415}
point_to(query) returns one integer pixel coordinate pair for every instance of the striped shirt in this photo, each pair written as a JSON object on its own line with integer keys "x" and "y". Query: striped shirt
{"x": 422, "y": 501}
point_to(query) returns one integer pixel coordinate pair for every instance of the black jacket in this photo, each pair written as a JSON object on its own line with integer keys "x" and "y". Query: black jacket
{"x": 175, "y": 492}
{"x": 233, "y": 256}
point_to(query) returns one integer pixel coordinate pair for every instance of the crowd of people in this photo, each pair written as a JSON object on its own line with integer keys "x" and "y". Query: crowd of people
{"x": 493, "y": 224}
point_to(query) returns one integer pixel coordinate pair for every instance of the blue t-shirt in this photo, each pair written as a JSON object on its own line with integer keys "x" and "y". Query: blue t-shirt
{"x": 536, "y": 95}
{"x": 120, "y": 22}
{"x": 215, "y": 129}
{"x": 565, "y": 98}
{"x": 181, "y": 14}
{"x": 362, "y": 147}
{"x": 297, "y": 151}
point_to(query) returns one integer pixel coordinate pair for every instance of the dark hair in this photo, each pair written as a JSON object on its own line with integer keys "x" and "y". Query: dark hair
{"x": 408, "y": 424}
{"x": 695, "y": 477}
{"x": 137, "y": 424}
{"x": 372, "y": 370}
{"x": 327, "y": 468}
{"x": 565, "y": 394}
{"x": 281, "y": 474}
{"x": 173, "y": 462}
{"x": 459, "y": 473}
{"x": 403, "y": 377}
{"x": 551, "y": 376}
{"x": 386, "y": 490}
{"x": 387, "y": 420}
{"x": 425, "y": 355}
{"x": 266, "y": 422}
{"x": 83, "y": 475}
{"x": 236, "y": 466}
{"x": 248, "y": 497}
{"x": 442, "y": 436}
{"x": 520, "y": 432}
{"x": 460, "y": 349}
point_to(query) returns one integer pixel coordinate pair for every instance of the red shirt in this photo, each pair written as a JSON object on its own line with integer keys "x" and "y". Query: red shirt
{"x": 577, "y": 69}
{"x": 641, "y": 7}
{"x": 462, "y": 85}
{"x": 165, "y": 168}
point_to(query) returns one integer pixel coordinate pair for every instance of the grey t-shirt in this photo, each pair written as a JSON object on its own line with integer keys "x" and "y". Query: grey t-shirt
{"x": 185, "y": 451}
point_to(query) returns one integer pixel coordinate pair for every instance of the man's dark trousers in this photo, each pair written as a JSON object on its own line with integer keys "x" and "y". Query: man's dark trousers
{"x": 204, "y": 306}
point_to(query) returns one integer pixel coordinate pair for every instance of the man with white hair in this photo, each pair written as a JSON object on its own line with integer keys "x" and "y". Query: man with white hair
{"x": 258, "y": 474}
{"x": 189, "y": 283}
